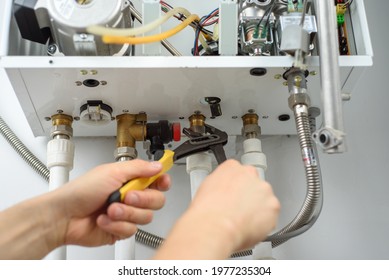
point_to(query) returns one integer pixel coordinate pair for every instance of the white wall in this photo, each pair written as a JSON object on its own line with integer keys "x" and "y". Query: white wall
{"x": 354, "y": 222}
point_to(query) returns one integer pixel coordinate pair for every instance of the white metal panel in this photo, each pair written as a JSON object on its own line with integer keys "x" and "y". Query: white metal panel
{"x": 171, "y": 87}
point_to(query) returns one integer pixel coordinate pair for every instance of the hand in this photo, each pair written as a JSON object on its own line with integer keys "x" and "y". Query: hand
{"x": 233, "y": 210}
{"x": 235, "y": 196}
{"x": 89, "y": 223}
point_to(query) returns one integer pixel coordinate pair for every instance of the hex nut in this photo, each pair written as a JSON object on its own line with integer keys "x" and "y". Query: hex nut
{"x": 251, "y": 128}
{"x": 125, "y": 152}
{"x": 299, "y": 98}
{"x": 61, "y": 130}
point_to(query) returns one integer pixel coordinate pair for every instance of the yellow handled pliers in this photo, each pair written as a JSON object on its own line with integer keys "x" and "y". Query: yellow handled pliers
{"x": 213, "y": 140}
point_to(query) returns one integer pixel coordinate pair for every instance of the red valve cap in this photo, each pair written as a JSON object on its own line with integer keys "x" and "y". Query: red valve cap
{"x": 176, "y": 127}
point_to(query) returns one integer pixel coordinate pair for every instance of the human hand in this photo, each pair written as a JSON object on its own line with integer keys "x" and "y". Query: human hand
{"x": 232, "y": 210}
{"x": 234, "y": 197}
{"x": 89, "y": 222}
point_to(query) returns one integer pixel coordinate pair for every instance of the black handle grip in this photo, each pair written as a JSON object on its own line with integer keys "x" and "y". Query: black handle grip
{"x": 114, "y": 197}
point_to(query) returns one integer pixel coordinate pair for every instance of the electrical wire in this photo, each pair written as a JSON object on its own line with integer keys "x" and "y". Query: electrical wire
{"x": 348, "y": 3}
{"x": 204, "y": 21}
{"x": 125, "y": 32}
{"x": 152, "y": 38}
{"x": 195, "y": 25}
{"x": 303, "y": 13}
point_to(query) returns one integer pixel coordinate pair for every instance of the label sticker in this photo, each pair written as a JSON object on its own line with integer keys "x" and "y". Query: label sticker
{"x": 309, "y": 157}
{"x": 65, "y": 7}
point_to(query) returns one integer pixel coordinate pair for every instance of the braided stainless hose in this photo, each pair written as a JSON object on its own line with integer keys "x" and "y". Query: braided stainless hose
{"x": 312, "y": 172}
{"x": 155, "y": 242}
{"x": 23, "y": 151}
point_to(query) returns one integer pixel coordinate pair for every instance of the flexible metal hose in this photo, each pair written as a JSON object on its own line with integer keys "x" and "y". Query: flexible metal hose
{"x": 313, "y": 198}
{"x": 23, "y": 151}
{"x": 155, "y": 241}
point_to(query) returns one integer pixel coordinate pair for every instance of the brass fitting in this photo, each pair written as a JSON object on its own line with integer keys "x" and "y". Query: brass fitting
{"x": 62, "y": 126}
{"x": 197, "y": 121}
{"x": 130, "y": 128}
{"x": 251, "y": 128}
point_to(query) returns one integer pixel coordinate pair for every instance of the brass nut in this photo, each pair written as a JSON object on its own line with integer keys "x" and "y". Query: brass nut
{"x": 61, "y": 119}
{"x": 129, "y": 152}
{"x": 250, "y": 118}
{"x": 197, "y": 120}
{"x": 299, "y": 98}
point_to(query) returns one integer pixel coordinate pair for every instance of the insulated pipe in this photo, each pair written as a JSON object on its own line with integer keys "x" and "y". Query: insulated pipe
{"x": 60, "y": 157}
{"x": 168, "y": 46}
{"x": 198, "y": 167}
{"x": 331, "y": 136}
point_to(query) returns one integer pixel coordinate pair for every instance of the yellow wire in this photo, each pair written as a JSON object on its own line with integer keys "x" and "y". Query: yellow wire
{"x": 108, "y": 31}
{"x": 150, "y": 39}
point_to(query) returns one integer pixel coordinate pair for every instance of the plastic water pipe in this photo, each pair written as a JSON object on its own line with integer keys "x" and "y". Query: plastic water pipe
{"x": 253, "y": 155}
{"x": 125, "y": 249}
{"x": 60, "y": 156}
{"x": 198, "y": 167}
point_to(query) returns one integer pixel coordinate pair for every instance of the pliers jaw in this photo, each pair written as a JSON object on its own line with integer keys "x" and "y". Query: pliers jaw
{"x": 213, "y": 141}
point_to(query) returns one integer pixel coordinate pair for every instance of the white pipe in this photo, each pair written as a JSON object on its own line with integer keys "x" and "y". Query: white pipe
{"x": 6, "y": 9}
{"x": 125, "y": 249}
{"x": 198, "y": 167}
{"x": 60, "y": 156}
{"x": 253, "y": 155}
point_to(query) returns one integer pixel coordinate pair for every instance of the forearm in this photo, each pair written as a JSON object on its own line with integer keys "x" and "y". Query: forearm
{"x": 198, "y": 237}
{"x": 29, "y": 230}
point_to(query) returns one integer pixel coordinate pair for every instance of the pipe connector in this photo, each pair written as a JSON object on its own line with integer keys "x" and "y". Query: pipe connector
{"x": 197, "y": 121}
{"x": 62, "y": 126}
{"x": 125, "y": 152}
{"x": 250, "y": 128}
{"x": 299, "y": 99}
{"x": 130, "y": 128}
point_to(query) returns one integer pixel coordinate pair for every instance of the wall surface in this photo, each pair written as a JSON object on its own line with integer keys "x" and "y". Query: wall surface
{"x": 354, "y": 222}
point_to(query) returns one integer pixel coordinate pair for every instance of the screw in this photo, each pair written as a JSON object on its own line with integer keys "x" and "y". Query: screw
{"x": 51, "y": 49}
{"x": 47, "y": 119}
{"x": 112, "y": 118}
{"x": 76, "y": 118}
{"x": 234, "y": 117}
{"x": 125, "y": 111}
{"x": 285, "y": 84}
{"x": 313, "y": 73}
{"x": 83, "y": 36}
{"x": 93, "y": 72}
{"x": 277, "y": 76}
{"x": 181, "y": 118}
{"x": 265, "y": 117}
{"x": 251, "y": 111}
{"x": 197, "y": 112}
{"x": 84, "y": 72}
{"x": 103, "y": 83}
{"x": 59, "y": 111}
{"x": 78, "y": 83}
